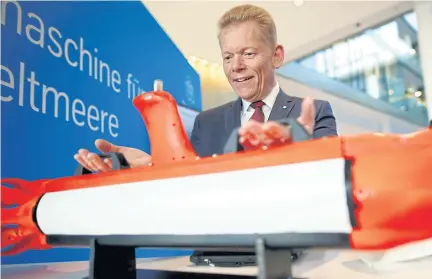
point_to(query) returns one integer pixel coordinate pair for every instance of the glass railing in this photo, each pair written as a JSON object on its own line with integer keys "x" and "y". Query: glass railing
{"x": 381, "y": 63}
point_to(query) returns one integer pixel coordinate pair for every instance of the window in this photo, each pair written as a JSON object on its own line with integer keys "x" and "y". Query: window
{"x": 382, "y": 62}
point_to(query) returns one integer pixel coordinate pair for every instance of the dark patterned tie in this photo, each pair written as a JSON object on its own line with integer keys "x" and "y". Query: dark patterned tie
{"x": 258, "y": 114}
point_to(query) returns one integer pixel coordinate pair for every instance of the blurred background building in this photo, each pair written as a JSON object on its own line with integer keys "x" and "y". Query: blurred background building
{"x": 370, "y": 59}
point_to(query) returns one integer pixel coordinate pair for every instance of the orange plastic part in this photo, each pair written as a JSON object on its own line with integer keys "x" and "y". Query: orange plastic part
{"x": 392, "y": 188}
{"x": 168, "y": 139}
{"x": 19, "y": 231}
{"x": 392, "y": 177}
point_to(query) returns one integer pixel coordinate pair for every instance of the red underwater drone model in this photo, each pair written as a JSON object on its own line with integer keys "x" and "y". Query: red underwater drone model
{"x": 370, "y": 191}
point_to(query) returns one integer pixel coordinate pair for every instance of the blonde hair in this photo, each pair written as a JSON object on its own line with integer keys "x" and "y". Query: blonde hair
{"x": 244, "y": 13}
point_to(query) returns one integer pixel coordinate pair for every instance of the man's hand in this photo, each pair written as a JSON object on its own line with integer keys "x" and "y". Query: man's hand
{"x": 93, "y": 162}
{"x": 254, "y": 134}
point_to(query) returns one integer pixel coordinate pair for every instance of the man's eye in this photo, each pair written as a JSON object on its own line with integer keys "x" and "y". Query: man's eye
{"x": 227, "y": 57}
{"x": 249, "y": 54}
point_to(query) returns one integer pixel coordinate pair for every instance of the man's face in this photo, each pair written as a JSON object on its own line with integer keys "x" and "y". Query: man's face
{"x": 249, "y": 60}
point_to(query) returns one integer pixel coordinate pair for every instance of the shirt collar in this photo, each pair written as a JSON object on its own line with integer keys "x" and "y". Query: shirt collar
{"x": 269, "y": 100}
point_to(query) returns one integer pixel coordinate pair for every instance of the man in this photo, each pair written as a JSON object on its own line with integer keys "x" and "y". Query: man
{"x": 248, "y": 43}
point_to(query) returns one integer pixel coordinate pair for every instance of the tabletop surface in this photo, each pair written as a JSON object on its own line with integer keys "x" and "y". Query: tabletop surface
{"x": 315, "y": 264}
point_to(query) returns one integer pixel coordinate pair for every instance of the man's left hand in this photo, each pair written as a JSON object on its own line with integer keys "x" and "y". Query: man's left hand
{"x": 254, "y": 134}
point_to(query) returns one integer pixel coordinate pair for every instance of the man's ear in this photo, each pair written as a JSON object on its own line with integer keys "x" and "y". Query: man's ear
{"x": 279, "y": 56}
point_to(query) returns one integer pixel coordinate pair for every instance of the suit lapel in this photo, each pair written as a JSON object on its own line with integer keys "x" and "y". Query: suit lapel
{"x": 282, "y": 107}
{"x": 232, "y": 119}
{"x": 232, "y": 116}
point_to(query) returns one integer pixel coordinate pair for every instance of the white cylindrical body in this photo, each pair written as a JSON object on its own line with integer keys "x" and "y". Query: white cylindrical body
{"x": 306, "y": 197}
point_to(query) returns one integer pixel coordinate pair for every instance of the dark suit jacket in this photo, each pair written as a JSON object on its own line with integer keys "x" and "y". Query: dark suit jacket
{"x": 213, "y": 127}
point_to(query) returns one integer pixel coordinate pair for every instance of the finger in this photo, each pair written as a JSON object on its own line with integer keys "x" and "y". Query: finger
{"x": 249, "y": 140}
{"x": 250, "y": 133}
{"x": 245, "y": 128}
{"x": 92, "y": 166}
{"x": 142, "y": 161}
{"x": 98, "y": 163}
{"x": 105, "y": 146}
{"x": 89, "y": 164}
{"x": 307, "y": 115}
{"x": 108, "y": 162}
{"x": 246, "y": 143}
{"x": 81, "y": 161}
{"x": 84, "y": 156}
{"x": 275, "y": 133}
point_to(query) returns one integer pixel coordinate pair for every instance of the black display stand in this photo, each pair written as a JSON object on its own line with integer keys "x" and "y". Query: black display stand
{"x": 112, "y": 261}
{"x": 272, "y": 263}
{"x": 108, "y": 262}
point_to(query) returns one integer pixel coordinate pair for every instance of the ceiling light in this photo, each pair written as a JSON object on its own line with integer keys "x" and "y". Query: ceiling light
{"x": 298, "y": 3}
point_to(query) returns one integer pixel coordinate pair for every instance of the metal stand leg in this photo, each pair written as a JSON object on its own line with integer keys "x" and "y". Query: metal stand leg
{"x": 108, "y": 262}
{"x": 272, "y": 263}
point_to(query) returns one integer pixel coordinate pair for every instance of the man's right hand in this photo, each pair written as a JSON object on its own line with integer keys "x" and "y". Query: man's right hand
{"x": 92, "y": 162}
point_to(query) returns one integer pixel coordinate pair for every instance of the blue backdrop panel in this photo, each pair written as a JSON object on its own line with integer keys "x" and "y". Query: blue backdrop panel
{"x": 69, "y": 71}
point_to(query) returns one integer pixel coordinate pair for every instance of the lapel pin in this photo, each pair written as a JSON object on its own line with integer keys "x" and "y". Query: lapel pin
{"x": 284, "y": 107}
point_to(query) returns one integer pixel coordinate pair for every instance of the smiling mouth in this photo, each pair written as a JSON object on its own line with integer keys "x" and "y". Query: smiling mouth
{"x": 243, "y": 79}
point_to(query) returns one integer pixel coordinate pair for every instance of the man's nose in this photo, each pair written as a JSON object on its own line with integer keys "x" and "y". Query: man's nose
{"x": 237, "y": 64}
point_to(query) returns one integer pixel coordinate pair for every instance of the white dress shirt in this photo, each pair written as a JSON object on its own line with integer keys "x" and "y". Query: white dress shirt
{"x": 269, "y": 101}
